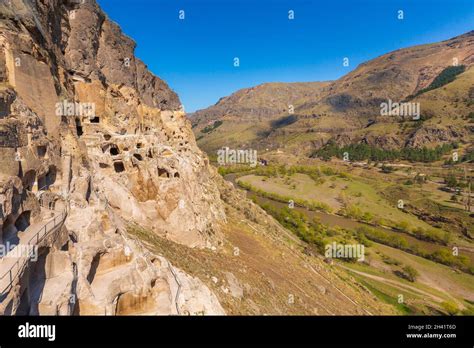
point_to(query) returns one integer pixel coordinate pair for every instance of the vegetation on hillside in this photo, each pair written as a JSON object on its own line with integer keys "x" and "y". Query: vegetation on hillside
{"x": 311, "y": 232}
{"x": 408, "y": 272}
{"x": 427, "y": 226}
{"x": 283, "y": 121}
{"x": 313, "y": 205}
{"x": 443, "y": 256}
{"x": 446, "y": 76}
{"x": 211, "y": 127}
{"x": 359, "y": 152}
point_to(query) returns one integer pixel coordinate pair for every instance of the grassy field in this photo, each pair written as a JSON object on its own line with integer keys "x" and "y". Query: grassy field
{"x": 436, "y": 282}
{"x": 296, "y": 185}
{"x": 357, "y": 193}
{"x": 368, "y": 197}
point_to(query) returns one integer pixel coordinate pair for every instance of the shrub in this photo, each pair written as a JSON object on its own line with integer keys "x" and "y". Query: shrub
{"x": 387, "y": 169}
{"x": 468, "y": 156}
{"x": 383, "y": 237}
{"x": 390, "y": 261}
{"x": 402, "y": 226}
{"x": 363, "y": 239}
{"x": 447, "y": 258}
{"x": 429, "y": 235}
{"x": 451, "y": 181}
{"x": 410, "y": 273}
{"x": 450, "y": 307}
{"x": 297, "y": 222}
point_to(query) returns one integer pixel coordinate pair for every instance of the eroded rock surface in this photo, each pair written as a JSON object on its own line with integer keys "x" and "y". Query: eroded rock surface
{"x": 132, "y": 160}
{"x": 96, "y": 152}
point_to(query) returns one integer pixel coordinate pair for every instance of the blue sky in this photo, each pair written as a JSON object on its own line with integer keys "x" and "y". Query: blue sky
{"x": 195, "y": 56}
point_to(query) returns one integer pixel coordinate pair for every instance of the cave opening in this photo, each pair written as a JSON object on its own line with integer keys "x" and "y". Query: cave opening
{"x": 23, "y": 221}
{"x": 79, "y": 129}
{"x": 45, "y": 181}
{"x": 163, "y": 173}
{"x": 41, "y": 151}
{"x": 8, "y": 230}
{"x": 28, "y": 180}
{"x": 119, "y": 167}
{"x": 114, "y": 151}
{"x": 93, "y": 269}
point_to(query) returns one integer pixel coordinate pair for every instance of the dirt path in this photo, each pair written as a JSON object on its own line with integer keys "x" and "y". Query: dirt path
{"x": 393, "y": 282}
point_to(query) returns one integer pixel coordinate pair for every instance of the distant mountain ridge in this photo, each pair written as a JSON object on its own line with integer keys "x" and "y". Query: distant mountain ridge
{"x": 348, "y": 110}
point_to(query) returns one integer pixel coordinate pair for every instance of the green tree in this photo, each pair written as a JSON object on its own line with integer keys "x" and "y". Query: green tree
{"x": 451, "y": 181}
{"x": 450, "y": 307}
{"x": 410, "y": 273}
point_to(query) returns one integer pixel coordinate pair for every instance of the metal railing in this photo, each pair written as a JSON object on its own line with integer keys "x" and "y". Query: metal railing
{"x": 178, "y": 291}
{"x": 34, "y": 241}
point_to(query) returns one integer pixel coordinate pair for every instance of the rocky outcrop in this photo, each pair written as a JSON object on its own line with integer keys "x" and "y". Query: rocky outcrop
{"x": 86, "y": 129}
{"x": 100, "y": 173}
{"x": 436, "y": 135}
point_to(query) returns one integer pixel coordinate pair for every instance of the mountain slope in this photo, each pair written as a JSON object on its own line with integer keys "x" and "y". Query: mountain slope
{"x": 247, "y": 113}
{"x": 348, "y": 109}
{"x": 99, "y": 168}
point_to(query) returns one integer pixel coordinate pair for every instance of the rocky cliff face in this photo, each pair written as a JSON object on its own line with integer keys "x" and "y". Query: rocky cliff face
{"x": 102, "y": 181}
{"x": 84, "y": 126}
